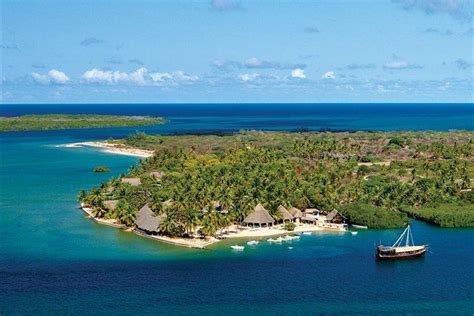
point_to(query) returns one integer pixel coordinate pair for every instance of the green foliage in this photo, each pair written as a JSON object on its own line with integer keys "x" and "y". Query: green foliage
{"x": 445, "y": 215}
{"x": 373, "y": 217}
{"x": 396, "y": 141}
{"x": 72, "y": 121}
{"x": 291, "y": 169}
{"x": 290, "y": 226}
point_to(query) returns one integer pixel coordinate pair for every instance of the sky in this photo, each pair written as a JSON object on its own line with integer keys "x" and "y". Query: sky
{"x": 236, "y": 51}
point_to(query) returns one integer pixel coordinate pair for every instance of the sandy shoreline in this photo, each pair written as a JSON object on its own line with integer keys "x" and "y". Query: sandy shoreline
{"x": 231, "y": 232}
{"x": 108, "y": 222}
{"x": 116, "y": 149}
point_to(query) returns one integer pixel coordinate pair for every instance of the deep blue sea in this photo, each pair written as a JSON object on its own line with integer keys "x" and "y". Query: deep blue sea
{"x": 53, "y": 260}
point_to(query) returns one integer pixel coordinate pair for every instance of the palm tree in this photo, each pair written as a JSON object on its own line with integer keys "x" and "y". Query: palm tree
{"x": 125, "y": 213}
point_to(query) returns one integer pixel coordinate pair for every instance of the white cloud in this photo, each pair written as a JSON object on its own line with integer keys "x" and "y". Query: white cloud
{"x": 175, "y": 77}
{"x": 160, "y": 76}
{"x": 254, "y": 63}
{"x": 53, "y": 76}
{"x": 104, "y": 76}
{"x": 298, "y": 73}
{"x": 396, "y": 64}
{"x": 329, "y": 75}
{"x": 248, "y": 77}
{"x": 140, "y": 76}
{"x": 400, "y": 64}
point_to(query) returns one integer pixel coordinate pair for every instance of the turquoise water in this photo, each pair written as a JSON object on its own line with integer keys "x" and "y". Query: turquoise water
{"x": 54, "y": 260}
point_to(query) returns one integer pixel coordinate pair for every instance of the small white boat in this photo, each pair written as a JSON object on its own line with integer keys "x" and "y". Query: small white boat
{"x": 307, "y": 233}
{"x": 290, "y": 248}
{"x": 289, "y": 238}
{"x": 237, "y": 247}
{"x": 354, "y": 233}
{"x": 359, "y": 226}
{"x": 279, "y": 239}
{"x": 252, "y": 242}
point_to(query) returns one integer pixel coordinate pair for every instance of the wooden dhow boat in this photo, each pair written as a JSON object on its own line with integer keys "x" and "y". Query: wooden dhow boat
{"x": 403, "y": 248}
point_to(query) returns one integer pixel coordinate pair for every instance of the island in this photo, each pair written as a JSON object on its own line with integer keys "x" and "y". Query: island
{"x": 194, "y": 190}
{"x": 73, "y": 121}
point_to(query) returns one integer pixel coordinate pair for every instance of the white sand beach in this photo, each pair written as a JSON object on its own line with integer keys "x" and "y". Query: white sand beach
{"x": 108, "y": 222}
{"x": 110, "y": 148}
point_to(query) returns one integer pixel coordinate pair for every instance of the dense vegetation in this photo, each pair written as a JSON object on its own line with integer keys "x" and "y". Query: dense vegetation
{"x": 371, "y": 177}
{"x": 101, "y": 169}
{"x": 373, "y": 217}
{"x": 71, "y": 121}
{"x": 446, "y": 215}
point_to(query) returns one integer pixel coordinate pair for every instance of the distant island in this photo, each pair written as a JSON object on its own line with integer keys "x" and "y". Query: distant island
{"x": 73, "y": 121}
{"x": 194, "y": 190}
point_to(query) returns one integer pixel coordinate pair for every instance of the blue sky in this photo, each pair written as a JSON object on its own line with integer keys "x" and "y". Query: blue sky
{"x": 237, "y": 51}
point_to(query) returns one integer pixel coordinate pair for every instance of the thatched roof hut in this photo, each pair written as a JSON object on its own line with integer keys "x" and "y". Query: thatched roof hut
{"x": 312, "y": 211}
{"x": 110, "y": 204}
{"x": 286, "y": 216}
{"x": 147, "y": 221}
{"x": 132, "y": 181}
{"x": 296, "y": 213}
{"x": 335, "y": 217}
{"x": 259, "y": 216}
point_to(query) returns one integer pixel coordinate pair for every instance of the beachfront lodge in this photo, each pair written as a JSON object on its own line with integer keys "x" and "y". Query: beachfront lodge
{"x": 333, "y": 220}
{"x": 335, "y": 217}
{"x": 296, "y": 213}
{"x": 259, "y": 217}
{"x": 147, "y": 222}
{"x": 286, "y": 216}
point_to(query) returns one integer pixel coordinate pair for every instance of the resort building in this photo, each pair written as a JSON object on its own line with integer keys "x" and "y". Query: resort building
{"x": 132, "y": 181}
{"x": 312, "y": 211}
{"x": 259, "y": 217}
{"x": 335, "y": 217}
{"x": 285, "y": 215}
{"x": 333, "y": 220}
{"x": 296, "y": 213}
{"x": 147, "y": 222}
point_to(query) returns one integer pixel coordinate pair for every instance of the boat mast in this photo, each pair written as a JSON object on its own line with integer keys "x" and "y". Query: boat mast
{"x": 406, "y": 233}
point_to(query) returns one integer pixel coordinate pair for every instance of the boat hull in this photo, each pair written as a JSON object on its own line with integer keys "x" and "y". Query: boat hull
{"x": 401, "y": 255}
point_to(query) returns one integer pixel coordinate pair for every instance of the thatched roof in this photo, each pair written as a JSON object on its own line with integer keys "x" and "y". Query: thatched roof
{"x": 295, "y": 212}
{"x": 147, "y": 220}
{"x": 311, "y": 210}
{"x": 259, "y": 216}
{"x": 284, "y": 213}
{"x": 333, "y": 214}
{"x": 110, "y": 204}
{"x": 157, "y": 174}
{"x": 132, "y": 181}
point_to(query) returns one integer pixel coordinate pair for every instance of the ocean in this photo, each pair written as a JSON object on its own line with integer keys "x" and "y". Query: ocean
{"x": 53, "y": 260}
